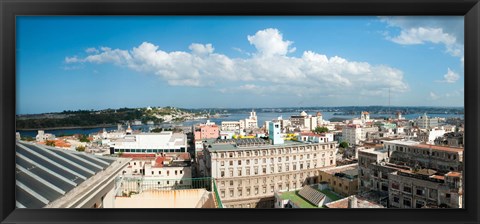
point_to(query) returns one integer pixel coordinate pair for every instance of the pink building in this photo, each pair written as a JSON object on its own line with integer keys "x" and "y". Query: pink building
{"x": 206, "y": 131}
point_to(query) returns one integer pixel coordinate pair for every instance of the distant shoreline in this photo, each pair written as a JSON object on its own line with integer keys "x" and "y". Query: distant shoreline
{"x": 67, "y": 128}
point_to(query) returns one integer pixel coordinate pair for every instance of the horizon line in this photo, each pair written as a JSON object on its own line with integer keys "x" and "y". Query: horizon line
{"x": 237, "y": 108}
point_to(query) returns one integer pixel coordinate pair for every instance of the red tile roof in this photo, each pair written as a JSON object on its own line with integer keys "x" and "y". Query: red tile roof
{"x": 159, "y": 161}
{"x": 454, "y": 174}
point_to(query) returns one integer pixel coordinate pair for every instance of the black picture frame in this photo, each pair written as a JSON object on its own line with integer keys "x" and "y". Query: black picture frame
{"x": 470, "y": 9}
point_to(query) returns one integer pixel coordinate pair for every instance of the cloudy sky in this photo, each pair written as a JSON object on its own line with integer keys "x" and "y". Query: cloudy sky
{"x": 70, "y": 63}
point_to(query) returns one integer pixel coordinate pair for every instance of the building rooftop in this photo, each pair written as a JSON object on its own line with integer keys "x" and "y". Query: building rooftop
{"x": 441, "y": 148}
{"x": 403, "y": 142}
{"x": 308, "y": 197}
{"x": 217, "y": 146}
{"x": 349, "y": 171}
{"x": 360, "y": 203}
{"x": 154, "y": 198}
{"x": 312, "y": 195}
{"x": 45, "y": 176}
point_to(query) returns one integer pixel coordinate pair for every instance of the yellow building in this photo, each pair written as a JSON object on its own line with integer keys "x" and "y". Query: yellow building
{"x": 342, "y": 180}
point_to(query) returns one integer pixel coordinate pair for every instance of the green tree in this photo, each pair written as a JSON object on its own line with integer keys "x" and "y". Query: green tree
{"x": 156, "y": 130}
{"x": 84, "y": 138}
{"x": 50, "y": 143}
{"x": 80, "y": 148}
{"x": 344, "y": 145}
{"x": 319, "y": 130}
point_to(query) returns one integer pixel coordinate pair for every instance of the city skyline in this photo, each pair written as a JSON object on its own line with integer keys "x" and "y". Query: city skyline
{"x": 71, "y": 63}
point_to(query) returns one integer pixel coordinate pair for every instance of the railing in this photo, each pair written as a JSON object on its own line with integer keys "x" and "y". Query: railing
{"x": 127, "y": 186}
{"x": 217, "y": 196}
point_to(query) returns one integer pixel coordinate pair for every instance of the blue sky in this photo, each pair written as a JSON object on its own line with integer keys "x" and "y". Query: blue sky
{"x": 74, "y": 62}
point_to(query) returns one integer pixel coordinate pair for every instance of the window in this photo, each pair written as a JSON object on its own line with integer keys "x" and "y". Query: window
{"x": 407, "y": 202}
{"x": 222, "y": 193}
{"x": 239, "y": 162}
{"x": 181, "y": 171}
{"x": 222, "y": 173}
{"x": 264, "y": 170}
{"x": 231, "y": 172}
{"x": 231, "y": 183}
{"x": 407, "y": 189}
{"x": 294, "y": 166}
{"x": 264, "y": 160}
{"x": 247, "y": 171}
{"x": 419, "y": 204}
{"x": 248, "y": 162}
{"x": 279, "y": 159}
{"x": 231, "y": 193}
{"x": 256, "y": 161}
{"x": 231, "y": 163}
{"x": 239, "y": 192}
{"x": 176, "y": 172}
{"x": 248, "y": 191}
{"x": 152, "y": 172}
{"x": 394, "y": 185}
{"x": 420, "y": 191}
{"x": 222, "y": 163}
{"x": 433, "y": 193}
{"x": 384, "y": 187}
{"x": 447, "y": 195}
{"x": 396, "y": 199}
{"x": 239, "y": 173}
{"x": 168, "y": 172}
{"x": 256, "y": 190}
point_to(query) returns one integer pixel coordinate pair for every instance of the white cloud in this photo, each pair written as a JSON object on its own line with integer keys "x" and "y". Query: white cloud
{"x": 447, "y": 31}
{"x": 268, "y": 70}
{"x": 91, "y": 50}
{"x": 200, "y": 49}
{"x": 421, "y": 35}
{"x": 269, "y": 42}
{"x": 434, "y": 96}
{"x": 451, "y": 76}
{"x": 73, "y": 59}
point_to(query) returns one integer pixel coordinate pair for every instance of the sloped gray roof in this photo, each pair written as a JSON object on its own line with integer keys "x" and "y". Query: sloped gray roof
{"x": 311, "y": 194}
{"x": 44, "y": 174}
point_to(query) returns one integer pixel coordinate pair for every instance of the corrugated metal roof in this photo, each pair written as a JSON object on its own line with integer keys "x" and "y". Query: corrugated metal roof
{"x": 44, "y": 174}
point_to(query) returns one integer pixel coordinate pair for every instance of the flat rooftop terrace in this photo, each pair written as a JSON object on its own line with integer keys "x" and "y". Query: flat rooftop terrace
{"x": 233, "y": 146}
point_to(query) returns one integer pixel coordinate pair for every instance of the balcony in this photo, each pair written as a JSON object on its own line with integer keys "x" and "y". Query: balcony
{"x": 166, "y": 193}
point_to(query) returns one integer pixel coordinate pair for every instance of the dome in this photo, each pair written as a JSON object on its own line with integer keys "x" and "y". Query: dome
{"x": 303, "y": 114}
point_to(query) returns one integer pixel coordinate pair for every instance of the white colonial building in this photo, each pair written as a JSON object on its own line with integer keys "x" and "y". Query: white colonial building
{"x": 163, "y": 142}
{"x": 249, "y": 171}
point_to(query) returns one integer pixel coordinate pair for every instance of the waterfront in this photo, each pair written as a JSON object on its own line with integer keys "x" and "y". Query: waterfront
{"x": 262, "y": 117}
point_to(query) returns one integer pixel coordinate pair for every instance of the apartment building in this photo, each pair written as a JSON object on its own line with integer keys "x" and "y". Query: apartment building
{"x": 402, "y": 167}
{"x": 163, "y": 142}
{"x": 249, "y": 171}
{"x": 342, "y": 180}
{"x": 206, "y": 131}
{"x": 354, "y": 133}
